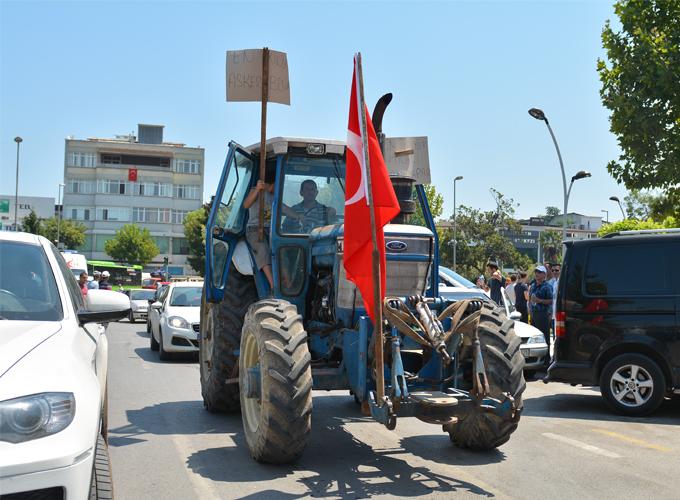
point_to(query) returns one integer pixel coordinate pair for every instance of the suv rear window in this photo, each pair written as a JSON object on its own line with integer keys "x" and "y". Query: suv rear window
{"x": 632, "y": 269}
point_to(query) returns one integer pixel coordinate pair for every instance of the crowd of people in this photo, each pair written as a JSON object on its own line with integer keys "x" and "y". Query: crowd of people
{"x": 100, "y": 281}
{"x": 535, "y": 300}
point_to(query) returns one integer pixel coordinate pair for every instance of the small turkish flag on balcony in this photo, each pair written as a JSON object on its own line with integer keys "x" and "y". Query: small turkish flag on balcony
{"x": 132, "y": 174}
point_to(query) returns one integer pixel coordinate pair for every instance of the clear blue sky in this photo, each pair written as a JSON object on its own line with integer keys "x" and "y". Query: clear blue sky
{"x": 462, "y": 73}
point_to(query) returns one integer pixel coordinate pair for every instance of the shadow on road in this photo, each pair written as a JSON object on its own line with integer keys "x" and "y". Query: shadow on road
{"x": 178, "y": 417}
{"x": 591, "y": 406}
{"x": 176, "y": 357}
{"x": 338, "y": 464}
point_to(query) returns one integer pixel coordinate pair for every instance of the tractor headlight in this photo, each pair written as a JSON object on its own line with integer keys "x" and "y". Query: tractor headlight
{"x": 39, "y": 415}
{"x": 177, "y": 322}
{"x": 536, "y": 339}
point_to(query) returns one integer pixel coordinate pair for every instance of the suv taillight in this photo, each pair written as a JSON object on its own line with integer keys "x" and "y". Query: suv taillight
{"x": 560, "y": 320}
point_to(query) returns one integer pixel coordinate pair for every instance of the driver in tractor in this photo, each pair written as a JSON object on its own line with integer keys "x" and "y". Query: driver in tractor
{"x": 310, "y": 212}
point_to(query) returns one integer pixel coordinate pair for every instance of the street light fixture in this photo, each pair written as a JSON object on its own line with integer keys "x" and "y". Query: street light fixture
{"x": 616, "y": 199}
{"x": 18, "y": 140}
{"x": 61, "y": 209}
{"x": 607, "y": 212}
{"x": 455, "y": 243}
{"x": 540, "y": 115}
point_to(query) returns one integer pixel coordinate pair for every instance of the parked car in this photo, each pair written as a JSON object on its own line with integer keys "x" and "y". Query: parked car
{"x": 618, "y": 318}
{"x": 150, "y": 283}
{"x": 139, "y": 303}
{"x": 53, "y": 363}
{"x": 175, "y": 319}
{"x": 157, "y": 294}
{"x": 452, "y": 286}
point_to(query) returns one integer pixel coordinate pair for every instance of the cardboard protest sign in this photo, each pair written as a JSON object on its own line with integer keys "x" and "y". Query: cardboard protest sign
{"x": 244, "y": 76}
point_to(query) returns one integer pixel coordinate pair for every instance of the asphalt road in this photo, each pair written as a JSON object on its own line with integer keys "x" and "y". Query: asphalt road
{"x": 164, "y": 445}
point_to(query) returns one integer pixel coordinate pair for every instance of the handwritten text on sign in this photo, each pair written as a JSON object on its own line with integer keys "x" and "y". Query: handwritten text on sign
{"x": 244, "y": 76}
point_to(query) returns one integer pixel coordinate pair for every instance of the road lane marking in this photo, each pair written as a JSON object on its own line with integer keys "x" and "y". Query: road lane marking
{"x": 633, "y": 440}
{"x": 582, "y": 445}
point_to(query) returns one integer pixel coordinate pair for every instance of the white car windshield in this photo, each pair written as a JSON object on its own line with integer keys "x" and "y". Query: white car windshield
{"x": 186, "y": 296}
{"x": 28, "y": 290}
{"x": 142, "y": 294}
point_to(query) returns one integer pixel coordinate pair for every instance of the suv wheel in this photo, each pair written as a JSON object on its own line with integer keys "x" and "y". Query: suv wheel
{"x": 632, "y": 384}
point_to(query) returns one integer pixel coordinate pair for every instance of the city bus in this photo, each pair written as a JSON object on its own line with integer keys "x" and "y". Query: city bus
{"x": 127, "y": 276}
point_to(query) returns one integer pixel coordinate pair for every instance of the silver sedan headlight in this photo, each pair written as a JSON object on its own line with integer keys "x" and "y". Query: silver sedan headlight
{"x": 536, "y": 339}
{"x": 39, "y": 415}
{"x": 178, "y": 322}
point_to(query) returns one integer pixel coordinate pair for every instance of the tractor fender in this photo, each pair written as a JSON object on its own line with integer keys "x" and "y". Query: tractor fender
{"x": 242, "y": 259}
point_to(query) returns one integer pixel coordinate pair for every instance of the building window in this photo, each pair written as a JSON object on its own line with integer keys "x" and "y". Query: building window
{"x": 113, "y": 213}
{"x": 187, "y": 166}
{"x": 82, "y": 159}
{"x": 100, "y": 241}
{"x": 78, "y": 213}
{"x": 164, "y": 215}
{"x": 180, "y": 246}
{"x": 109, "y": 159}
{"x": 178, "y": 216}
{"x": 154, "y": 189}
{"x": 162, "y": 242}
{"x": 79, "y": 186}
{"x": 111, "y": 186}
{"x": 186, "y": 192}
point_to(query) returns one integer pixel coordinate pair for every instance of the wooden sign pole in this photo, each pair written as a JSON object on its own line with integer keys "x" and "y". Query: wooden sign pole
{"x": 263, "y": 133}
{"x": 375, "y": 256}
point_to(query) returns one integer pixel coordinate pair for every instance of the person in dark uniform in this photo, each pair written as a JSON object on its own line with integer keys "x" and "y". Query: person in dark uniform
{"x": 540, "y": 296}
{"x": 496, "y": 282}
{"x": 521, "y": 292}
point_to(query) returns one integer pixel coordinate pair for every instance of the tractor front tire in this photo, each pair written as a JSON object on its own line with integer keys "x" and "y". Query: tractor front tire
{"x": 504, "y": 363}
{"x": 278, "y": 423}
{"x": 221, "y": 325}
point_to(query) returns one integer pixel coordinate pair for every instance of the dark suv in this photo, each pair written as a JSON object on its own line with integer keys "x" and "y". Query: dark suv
{"x": 618, "y": 318}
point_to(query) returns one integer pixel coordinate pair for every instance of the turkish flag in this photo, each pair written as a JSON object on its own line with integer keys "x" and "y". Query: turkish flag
{"x": 358, "y": 242}
{"x": 132, "y": 174}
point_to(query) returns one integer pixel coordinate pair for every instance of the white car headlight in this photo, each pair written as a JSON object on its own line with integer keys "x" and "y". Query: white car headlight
{"x": 39, "y": 415}
{"x": 536, "y": 339}
{"x": 177, "y": 322}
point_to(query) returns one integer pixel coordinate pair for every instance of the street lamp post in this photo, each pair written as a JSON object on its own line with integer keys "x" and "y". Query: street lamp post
{"x": 61, "y": 209}
{"x": 18, "y": 140}
{"x": 455, "y": 242}
{"x": 540, "y": 115}
{"x": 607, "y": 212}
{"x": 616, "y": 199}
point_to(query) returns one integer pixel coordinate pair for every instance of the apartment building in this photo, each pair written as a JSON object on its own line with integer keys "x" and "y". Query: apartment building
{"x": 134, "y": 179}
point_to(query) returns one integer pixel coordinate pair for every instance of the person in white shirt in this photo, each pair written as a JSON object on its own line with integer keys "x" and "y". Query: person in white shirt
{"x": 510, "y": 289}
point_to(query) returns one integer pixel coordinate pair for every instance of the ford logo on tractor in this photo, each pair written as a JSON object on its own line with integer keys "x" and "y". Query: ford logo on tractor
{"x": 396, "y": 246}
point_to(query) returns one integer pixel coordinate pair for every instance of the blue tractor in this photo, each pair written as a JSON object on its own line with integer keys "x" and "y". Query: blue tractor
{"x": 264, "y": 350}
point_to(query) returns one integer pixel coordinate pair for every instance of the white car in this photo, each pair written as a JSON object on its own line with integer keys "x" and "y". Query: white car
{"x": 175, "y": 318}
{"x": 452, "y": 286}
{"x": 139, "y": 303}
{"x": 53, "y": 362}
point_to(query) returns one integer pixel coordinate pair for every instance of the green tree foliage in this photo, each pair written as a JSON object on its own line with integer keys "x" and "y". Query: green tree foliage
{"x": 480, "y": 239}
{"x": 641, "y": 88}
{"x": 31, "y": 223}
{"x": 551, "y": 212}
{"x": 132, "y": 245}
{"x": 71, "y": 233}
{"x": 194, "y": 232}
{"x": 436, "y": 202}
{"x": 551, "y": 245}
{"x": 634, "y": 224}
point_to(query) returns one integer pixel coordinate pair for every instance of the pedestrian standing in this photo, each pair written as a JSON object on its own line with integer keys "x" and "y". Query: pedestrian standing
{"x": 94, "y": 284}
{"x": 540, "y": 295}
{"x": 82, "y": 282}
{"x": 556, "y": 269}
{"x": 521, "y": 296}
{"x": 495, "y": 282}
{"x": 510, "y": 288}
{"x": 104, "y": 283}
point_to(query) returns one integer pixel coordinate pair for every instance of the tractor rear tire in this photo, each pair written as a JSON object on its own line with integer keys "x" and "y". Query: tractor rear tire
{"x": 278, "y": 424}
{"x": 221, "y": 325}
{"x": 504, "y": 363}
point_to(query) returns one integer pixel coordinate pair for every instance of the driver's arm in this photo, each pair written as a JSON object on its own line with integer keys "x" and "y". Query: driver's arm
{"x": 289, "y": 212}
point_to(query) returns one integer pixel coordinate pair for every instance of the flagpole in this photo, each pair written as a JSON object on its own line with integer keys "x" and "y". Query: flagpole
{"x": 375, "y": 256}
{"x": 263, "y": 134}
